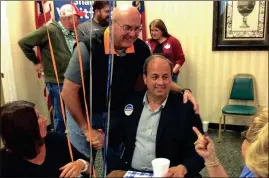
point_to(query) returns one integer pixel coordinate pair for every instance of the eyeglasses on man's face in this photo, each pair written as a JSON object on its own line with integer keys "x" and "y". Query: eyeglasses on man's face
{"x": 128, "y": 28}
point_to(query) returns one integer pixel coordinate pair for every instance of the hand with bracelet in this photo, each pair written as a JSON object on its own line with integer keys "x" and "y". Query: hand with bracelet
{"x": 205, "y": 148}
{"x": 75, "y": 168}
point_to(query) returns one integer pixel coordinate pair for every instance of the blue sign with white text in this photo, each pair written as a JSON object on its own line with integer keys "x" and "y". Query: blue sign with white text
{"x": 82, "y": 6}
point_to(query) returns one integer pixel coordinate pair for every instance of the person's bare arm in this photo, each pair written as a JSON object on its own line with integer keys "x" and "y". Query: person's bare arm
{"x": 70, "y": 94}
{"x": 73, "y": 82}
{"x": 176, "y": 68}
{"x": 217, "y": 171}
{"x": 175, "y": 87}
{"x": 205, "y": 147}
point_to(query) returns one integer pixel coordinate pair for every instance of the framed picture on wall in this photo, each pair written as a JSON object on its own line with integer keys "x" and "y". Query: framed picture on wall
{"x": 240, "y": 25}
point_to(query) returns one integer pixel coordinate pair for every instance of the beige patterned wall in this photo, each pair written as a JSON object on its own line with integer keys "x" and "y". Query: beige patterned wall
{"x": 207, "y": 73}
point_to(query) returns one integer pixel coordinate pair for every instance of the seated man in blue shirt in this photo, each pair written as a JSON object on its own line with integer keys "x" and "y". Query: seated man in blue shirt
{"x": 157, "y": 124}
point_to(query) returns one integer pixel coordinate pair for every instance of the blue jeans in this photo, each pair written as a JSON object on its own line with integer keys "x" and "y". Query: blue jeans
{"x": 175, "y": 78}
{"x": 57, "y": 112}
{"x": 77, "y": 137}
{"x": 78, "y": 140}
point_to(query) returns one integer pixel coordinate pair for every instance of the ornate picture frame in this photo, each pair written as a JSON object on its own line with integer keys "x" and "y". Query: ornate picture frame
{"x": 240, "y": 25}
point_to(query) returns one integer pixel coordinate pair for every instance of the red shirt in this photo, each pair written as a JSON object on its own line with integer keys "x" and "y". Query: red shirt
{"x": 171, "y": 48}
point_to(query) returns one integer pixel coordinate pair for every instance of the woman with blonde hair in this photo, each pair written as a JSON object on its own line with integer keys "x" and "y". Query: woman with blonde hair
{"x": 204, "y": 146}
{"x": 257, "y": 154}
{"x": 161, "y": 42}
{"x": 251, "y": 136}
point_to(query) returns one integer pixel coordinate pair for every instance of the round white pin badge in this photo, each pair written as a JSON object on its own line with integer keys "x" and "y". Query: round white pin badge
{"x": 128, "y": 109}
{"x": 167, "y": 46}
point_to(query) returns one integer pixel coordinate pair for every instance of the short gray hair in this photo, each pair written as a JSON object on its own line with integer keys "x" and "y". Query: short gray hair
{"x": 153, "y": 57}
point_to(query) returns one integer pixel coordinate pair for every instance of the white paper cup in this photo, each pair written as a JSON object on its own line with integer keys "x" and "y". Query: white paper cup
{"x": 160, "y": 166}
{"x": 205, "y": 126}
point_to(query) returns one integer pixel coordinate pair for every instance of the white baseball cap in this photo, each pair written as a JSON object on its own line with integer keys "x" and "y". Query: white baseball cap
{"x": 70, "y": 9}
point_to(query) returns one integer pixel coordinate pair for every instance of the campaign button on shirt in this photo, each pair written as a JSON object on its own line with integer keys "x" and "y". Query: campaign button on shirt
{"x": 167, "y": 46}
{"x": 128, "y": 109}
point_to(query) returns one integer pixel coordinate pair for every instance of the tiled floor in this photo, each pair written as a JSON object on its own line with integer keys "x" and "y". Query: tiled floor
{"x": 228, "y": 151}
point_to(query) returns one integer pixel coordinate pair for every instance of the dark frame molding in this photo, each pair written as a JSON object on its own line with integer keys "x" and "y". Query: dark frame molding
{"x": 236, "y": 45}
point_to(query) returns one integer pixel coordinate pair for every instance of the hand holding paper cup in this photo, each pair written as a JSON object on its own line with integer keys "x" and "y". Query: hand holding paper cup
{"x": 160, "y": 166}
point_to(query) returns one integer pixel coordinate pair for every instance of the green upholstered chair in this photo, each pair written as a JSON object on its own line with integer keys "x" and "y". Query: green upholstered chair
{"x": 243, "y": 89}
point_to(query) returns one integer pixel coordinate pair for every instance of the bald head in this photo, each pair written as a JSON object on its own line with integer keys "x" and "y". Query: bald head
{"x": 153, "y": 58}
{"x": 126, "y": 23}
{"x": 124, "y": 11}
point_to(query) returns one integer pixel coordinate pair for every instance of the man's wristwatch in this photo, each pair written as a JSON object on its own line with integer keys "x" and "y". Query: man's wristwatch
{"x": 85, "y": 165}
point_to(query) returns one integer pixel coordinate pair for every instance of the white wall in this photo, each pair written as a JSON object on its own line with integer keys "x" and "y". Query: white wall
{"x": 9, "y": 89}
{"x": 20, "y": 21}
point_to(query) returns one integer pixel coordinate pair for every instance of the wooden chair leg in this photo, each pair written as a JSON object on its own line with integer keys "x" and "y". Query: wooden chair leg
{"x": 220, "y": 122}
{"x": 224, "y": 123}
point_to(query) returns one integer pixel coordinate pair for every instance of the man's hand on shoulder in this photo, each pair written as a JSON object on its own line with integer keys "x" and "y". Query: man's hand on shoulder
{"x": 187, "y": 96}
